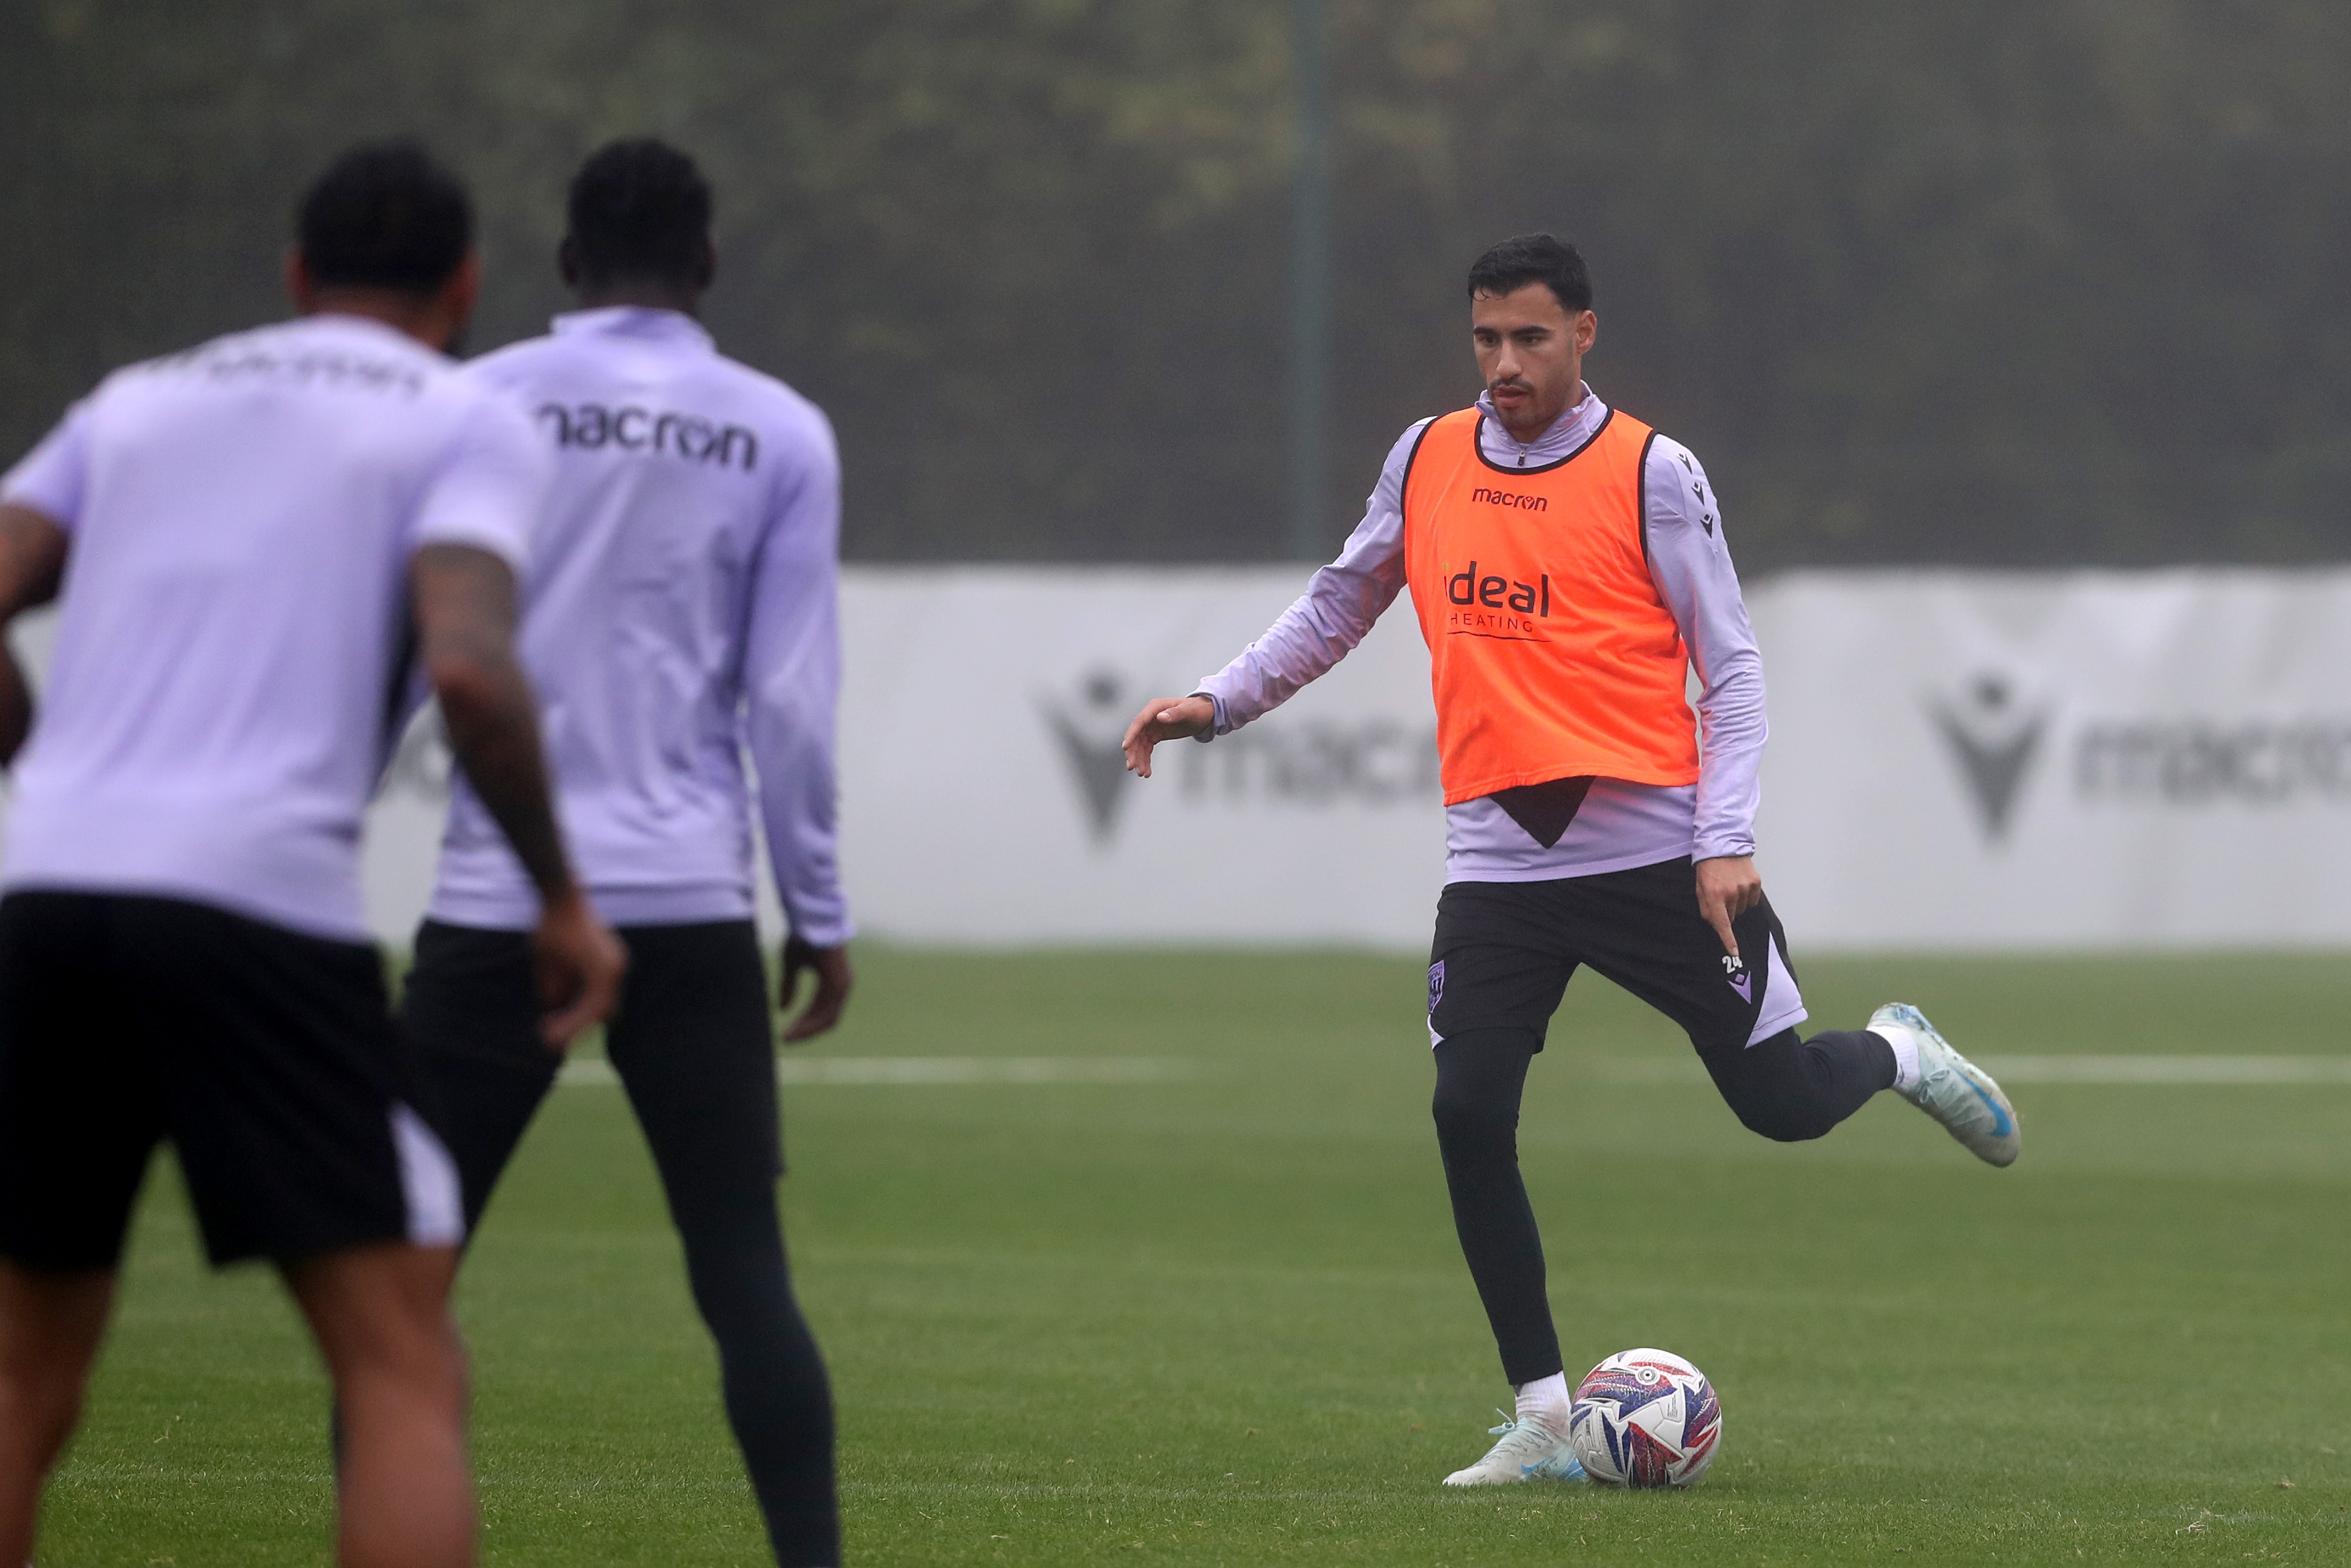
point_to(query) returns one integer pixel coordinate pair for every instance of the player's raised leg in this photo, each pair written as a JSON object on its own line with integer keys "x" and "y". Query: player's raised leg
{"x": 1723, "y": 975}
{"x": 1948, "y": 1086}
{"x": 1792, "y": 1088}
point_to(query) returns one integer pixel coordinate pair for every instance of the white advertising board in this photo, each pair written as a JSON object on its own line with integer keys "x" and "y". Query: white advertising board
{"x": 1959, "y": 760}
{"x": 984, "y": 798}
{"x": 2058, "y": 760}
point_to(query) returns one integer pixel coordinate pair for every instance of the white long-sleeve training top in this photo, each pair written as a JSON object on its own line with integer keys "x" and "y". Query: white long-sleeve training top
{"x": 243, "y": 516}
{"x": 681, "y": 609}
{"x": 1620, "y": 825}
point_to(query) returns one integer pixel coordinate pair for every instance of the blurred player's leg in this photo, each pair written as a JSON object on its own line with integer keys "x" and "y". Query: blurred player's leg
{"x": 268, "y": 1056}
{"x": 381, "y": 1316}
{"x": 469, "y": 1014}
{"x": 778, "y": 1396}
{"x": 79, "y": 1116}
{"x": 470, "y": 1011}
{"x": 694, "y": 1044}
{"x": 50, "y": 1325}
{"x": 290, "y": 1096}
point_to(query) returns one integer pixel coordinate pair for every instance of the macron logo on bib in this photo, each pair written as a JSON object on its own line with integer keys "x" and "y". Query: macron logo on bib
{"x": 1509, "y": 498}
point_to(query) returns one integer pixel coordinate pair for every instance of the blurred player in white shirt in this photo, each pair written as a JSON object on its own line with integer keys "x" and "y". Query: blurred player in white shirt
{"x": 254, "y": 542}
{"x": 681, "y": 615}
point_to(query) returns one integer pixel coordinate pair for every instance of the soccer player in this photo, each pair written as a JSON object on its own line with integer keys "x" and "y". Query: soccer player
{"x": 254, "y": 542}
{"x": 681, "y": 611}
{"x": 1569, "y": 569}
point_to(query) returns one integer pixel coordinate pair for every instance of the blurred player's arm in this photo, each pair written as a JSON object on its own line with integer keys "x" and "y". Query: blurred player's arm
{"x": 472, "y": 533}
{"x": 31, "y": 563}
{"x": 40, "y": 502}
{"x": 466, "y": 611}
{"x": 1320, "y": 628}
{"x": 465, "y": 608}
{"x": 792, "y": 683}
{"x": 1689, "y": 561}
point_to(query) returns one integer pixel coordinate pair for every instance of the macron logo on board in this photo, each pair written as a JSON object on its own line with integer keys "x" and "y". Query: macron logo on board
{"x": 1993, "y": 738}
{"x": 1089, "y": 734}
{"x": 1366, "y": 760}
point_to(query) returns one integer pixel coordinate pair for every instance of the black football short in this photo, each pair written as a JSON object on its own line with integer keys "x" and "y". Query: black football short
{"x": 267, "y": 1057}
{"x": 1505, "y": 950}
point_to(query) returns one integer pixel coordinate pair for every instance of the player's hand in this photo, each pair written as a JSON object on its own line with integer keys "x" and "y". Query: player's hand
{"x": 833, "y": 978}
{"x": 580, "y": 966}
{"x": 1728, "y": 888}
{"x": 1165, "y": 718}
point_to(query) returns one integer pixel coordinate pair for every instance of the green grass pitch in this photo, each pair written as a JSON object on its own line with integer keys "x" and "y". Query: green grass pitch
{"x": 1222, "y": 1320}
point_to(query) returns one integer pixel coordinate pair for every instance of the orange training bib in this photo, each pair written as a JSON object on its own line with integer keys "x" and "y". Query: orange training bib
{"x": 1550, "y": 654}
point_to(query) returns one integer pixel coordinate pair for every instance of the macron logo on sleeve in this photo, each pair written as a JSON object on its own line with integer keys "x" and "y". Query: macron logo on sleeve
{"x": 631, "y": 428}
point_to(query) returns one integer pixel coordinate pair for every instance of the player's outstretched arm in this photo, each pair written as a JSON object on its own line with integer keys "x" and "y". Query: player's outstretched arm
{"x": 465, "y": 609}
{"x": 32, "y": 564}
{"x": 1318, "y": 629}
{"x": 1165, "y": 718}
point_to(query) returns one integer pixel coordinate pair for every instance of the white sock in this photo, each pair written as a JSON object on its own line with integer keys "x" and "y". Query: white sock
{"x": 1546, "y": 1398}
{"x": 1906, "y": 1055}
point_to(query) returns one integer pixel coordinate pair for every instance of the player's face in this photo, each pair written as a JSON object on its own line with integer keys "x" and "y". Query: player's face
{"x": 1531, "y": 350}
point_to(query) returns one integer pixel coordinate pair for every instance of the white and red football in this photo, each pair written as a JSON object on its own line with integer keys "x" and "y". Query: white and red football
{"x": 1645, "y": 1418}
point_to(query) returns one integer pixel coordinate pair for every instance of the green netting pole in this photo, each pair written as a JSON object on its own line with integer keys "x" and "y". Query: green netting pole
{"x": 1310, "y": 288}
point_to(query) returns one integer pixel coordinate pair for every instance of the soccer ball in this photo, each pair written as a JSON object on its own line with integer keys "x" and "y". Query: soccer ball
{"x": 1645, "y": 1418}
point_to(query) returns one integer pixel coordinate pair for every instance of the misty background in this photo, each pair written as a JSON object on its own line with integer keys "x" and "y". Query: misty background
{"x": 2007, "y": 283}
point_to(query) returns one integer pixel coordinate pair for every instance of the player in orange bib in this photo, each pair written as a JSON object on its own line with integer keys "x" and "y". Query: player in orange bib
{"x": 1569, "y": 570}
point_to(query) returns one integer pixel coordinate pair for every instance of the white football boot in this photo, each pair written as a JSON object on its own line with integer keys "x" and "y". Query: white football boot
{"x": 1529, "y": 1451}
{"x": 1953, "y": 1089}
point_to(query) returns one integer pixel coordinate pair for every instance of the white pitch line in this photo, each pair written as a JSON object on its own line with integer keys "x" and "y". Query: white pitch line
{"x": 2169, "y": 1069}
{"x": 930, "y": 1070}
{"x": 2115, "y": 1070}
{"x": 924, "y": 1071}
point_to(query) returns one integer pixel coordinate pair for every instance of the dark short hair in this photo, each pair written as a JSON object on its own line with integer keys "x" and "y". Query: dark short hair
{"x": 1534, "y": 258}
{"x": 640, "y": 211}
{"x": 385, "y": 215}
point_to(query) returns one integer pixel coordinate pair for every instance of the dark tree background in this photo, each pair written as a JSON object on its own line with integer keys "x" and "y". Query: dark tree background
{"x": 2013, "y": 282}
